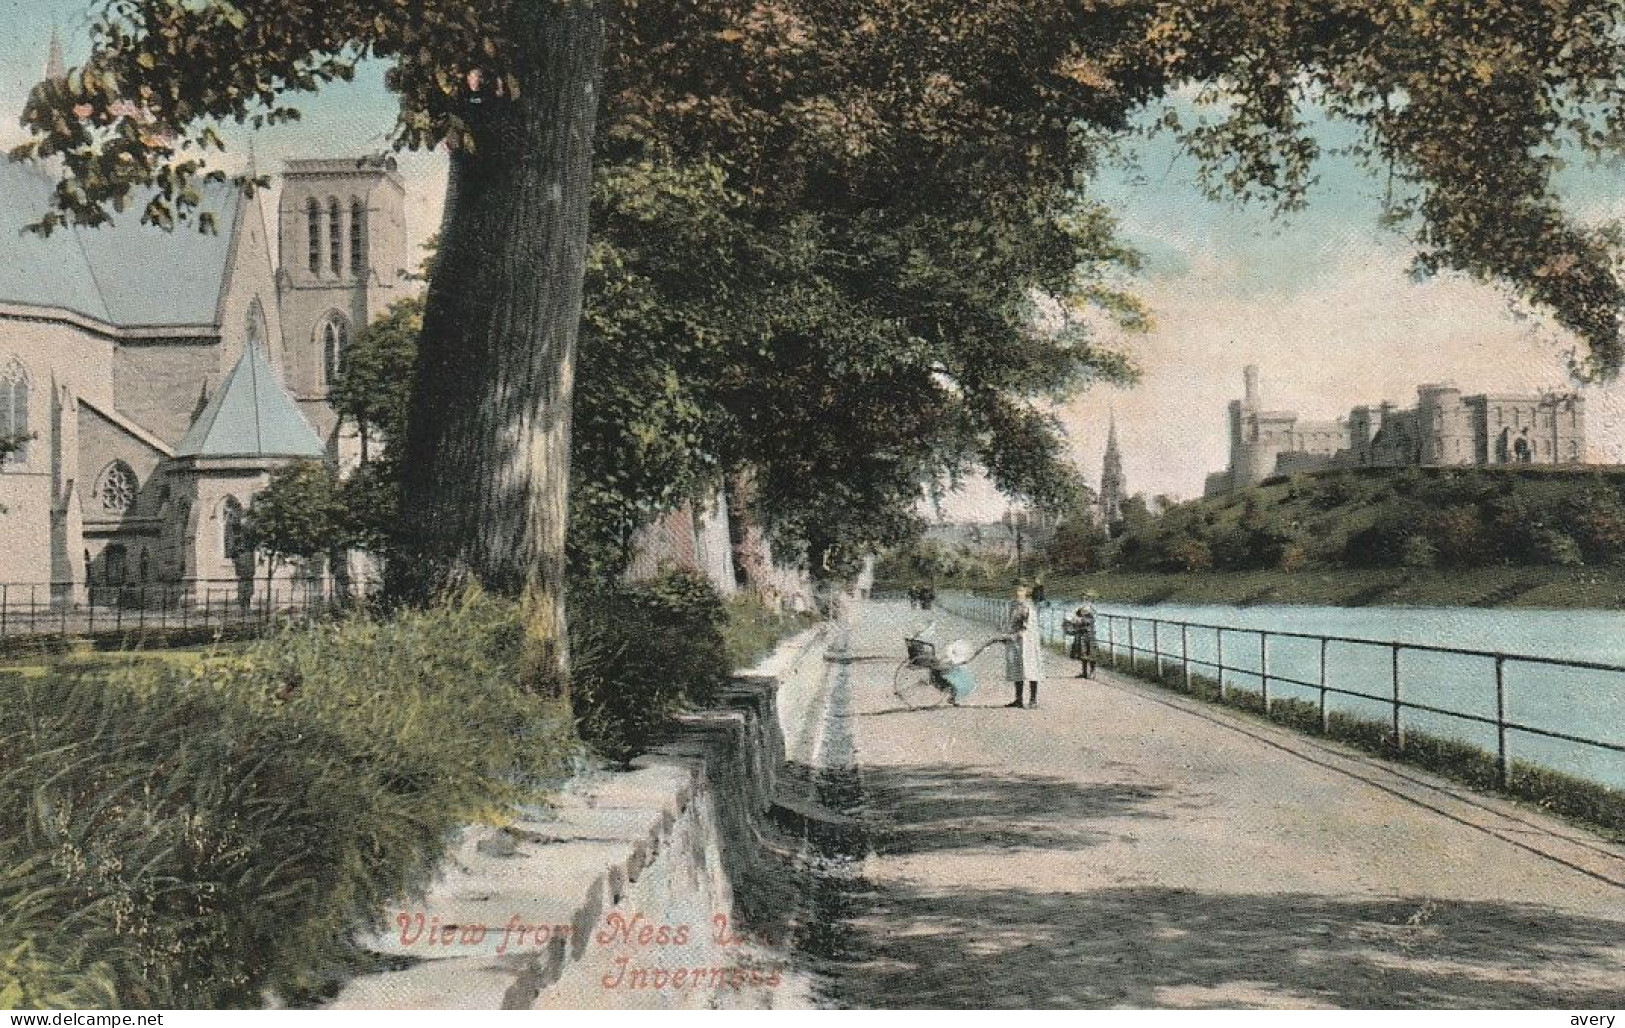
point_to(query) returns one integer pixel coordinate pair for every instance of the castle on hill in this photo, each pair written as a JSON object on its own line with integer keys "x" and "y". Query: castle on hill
{"x": 1445, "y": 428}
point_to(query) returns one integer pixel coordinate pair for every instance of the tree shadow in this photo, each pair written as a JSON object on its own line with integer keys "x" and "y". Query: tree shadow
{"x": 1160, "y": 947}
{"x": 919, "y": 808}
{"x": 908, "y": 944}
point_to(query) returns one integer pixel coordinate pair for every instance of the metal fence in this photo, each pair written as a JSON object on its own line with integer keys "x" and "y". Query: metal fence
{"x": 1399, "y": 679}
{"x": 52, "y": 609}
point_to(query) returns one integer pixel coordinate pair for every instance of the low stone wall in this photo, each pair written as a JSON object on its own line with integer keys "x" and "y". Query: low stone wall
{"x": 627, "y": 892}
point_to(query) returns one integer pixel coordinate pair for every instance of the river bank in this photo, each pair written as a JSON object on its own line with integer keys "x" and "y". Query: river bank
{"x": 1585, "y": 588}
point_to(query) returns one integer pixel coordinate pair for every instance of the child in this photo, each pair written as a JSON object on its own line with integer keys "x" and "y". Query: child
{"x": 1023, "y": 655}
{"x": 1081, "y": 627}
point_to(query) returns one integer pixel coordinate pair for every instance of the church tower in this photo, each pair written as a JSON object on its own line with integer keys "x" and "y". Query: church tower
{"x": 55, "y": 66}
{"x": 342, "y": 229}
{"x": 1113, "y": 490}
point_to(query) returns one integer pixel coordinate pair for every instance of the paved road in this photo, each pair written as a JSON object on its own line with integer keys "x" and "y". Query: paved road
{"x": 1122, "y": 846}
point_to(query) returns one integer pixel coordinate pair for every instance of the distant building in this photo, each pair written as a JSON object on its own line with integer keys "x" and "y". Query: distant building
{"x": 161, "y": 377}
{"x": 1113, "y": 488}
{"x": 1445, "y": 428}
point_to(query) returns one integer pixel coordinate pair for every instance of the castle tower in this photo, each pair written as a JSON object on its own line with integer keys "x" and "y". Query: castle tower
{"x": 1112, "y": 487}
{"x": 1244, "y": 432}
{"x": 342, "y": 227}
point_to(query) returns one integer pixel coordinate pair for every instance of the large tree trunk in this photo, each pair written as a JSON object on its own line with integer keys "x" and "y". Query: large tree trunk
{"x": 487, "y": 456}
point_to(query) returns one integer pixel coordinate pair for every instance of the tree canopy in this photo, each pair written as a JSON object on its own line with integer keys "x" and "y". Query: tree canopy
{"x": 850, "y": 245}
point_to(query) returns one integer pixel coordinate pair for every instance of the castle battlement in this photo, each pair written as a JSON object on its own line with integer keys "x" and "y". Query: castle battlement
{"x": 1445, "y": 428}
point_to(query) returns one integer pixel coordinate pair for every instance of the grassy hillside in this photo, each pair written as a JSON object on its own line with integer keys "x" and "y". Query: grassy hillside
{"x": 1533, "y": 537}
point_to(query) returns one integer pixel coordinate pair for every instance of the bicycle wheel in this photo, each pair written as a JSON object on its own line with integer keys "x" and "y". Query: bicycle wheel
{"x": 914, "y": 687}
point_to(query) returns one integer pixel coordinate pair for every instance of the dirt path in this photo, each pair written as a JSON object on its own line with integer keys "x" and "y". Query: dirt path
{"x": 1120, "y": 846}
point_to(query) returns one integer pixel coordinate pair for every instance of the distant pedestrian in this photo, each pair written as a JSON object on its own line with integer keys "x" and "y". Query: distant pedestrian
{"x": 928, "y": 596}
{"x": 1023, "y": 654}
{"x": 1081, "y": 627}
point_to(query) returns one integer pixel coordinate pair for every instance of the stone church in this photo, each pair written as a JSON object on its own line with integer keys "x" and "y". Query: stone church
{"x": 161, "y": 377}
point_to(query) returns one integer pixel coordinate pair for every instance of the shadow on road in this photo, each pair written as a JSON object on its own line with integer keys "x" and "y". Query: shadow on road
{"x": 1021, "y": 944}
{"x": 1154, "y": 947}
{"x": 934, "y": 807}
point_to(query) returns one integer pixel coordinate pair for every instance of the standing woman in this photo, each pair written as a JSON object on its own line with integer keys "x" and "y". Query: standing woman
{"x": 1023, "y": 654}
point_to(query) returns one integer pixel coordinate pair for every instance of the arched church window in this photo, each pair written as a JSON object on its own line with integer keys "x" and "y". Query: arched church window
{"x": 335, "y": 337}
{"x": 14, "y": 408}
{"x": 113, "y": 565}
{"x": 255, "y": 331}
{"x": 358, "y": 236}
{"x": 335, "y": 235}
{"x": 313, "y": 231}
{"x": 116, "y": 487}
{"x": 231, "y": 529}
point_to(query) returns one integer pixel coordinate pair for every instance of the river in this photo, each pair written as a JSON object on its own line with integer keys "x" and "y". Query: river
{"x": 1589, "y": 703}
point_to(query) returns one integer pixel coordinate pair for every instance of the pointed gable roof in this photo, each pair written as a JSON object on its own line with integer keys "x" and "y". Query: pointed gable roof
{"x": 123, "y": 274}
{"x": 251, "y": 415}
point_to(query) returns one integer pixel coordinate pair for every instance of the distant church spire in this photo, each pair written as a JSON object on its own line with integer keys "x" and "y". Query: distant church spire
{"x": 55, "y": 66}
{"x": 1113, "y": 490}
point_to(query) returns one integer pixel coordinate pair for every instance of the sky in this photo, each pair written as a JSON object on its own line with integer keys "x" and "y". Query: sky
{"x": 1322, "y": 300}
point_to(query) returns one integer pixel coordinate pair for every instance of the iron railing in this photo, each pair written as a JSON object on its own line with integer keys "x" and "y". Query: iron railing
{"x": 1170, "y": 647}
{"x": 58, "y": 608}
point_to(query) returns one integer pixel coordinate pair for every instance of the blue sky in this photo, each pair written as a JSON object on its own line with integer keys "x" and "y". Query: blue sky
{"x": 1322, "y": 300}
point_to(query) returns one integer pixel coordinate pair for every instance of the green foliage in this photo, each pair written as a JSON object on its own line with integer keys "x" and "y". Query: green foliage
{"x": 831, "y": 262}
{"x": 369, "y": 507}
{"x": 190, "y": 836}
{"x": 298, "y": 515}
{"x": 1409, "y": 518}
{"x": 1469, "y": 106}
{"x": 1079, "y": 544}
{"x": 753, "y": 630}
{"x": 643, "y": 651}
{"x": 374, "y": 385}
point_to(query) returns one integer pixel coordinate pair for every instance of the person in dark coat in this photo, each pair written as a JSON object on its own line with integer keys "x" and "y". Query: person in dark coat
{"x": 1081, "y": 627}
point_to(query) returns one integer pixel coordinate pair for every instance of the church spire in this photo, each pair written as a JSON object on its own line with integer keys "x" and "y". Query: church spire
{"x": 55, "y": 66}
{"x": 1113, "y": 490}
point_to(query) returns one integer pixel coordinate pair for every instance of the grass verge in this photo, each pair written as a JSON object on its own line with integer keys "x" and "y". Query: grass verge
{"x": 1589, "y": 804}
{"x": 194, "y": 835}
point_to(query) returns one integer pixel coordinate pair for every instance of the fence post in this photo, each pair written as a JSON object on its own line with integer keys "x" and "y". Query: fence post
{"x": 1399, "y": 738}
{"x": 1185, "y": 652}
{"x": 1133, "y": 661}
{"x": 1156, "y": 648}
{"x": 1502, "y": 764}
{"x": 1264, "y": 670}
{"x": 1111, "y": 638}
{"x": 1325, "y": 725}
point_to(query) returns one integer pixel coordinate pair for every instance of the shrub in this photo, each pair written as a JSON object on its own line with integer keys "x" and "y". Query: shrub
{"x": 1187, "y": 555}
{"x": 1457, "y": 534}
{"x": 191, "y": 836}
{"x": 1417, "y": 551}
{"x": 642, "y": 652}
{"x": 753, "y": 630}
{"x": 1557, "y": 548}
{"x": 1302, "y": 715}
